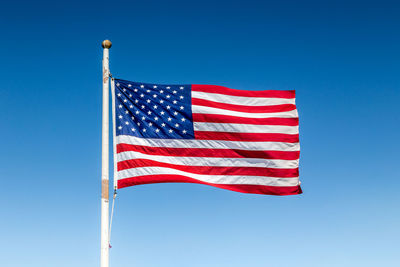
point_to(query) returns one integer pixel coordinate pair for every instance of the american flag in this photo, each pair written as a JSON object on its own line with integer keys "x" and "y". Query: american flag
{"x": 245, "y": 141}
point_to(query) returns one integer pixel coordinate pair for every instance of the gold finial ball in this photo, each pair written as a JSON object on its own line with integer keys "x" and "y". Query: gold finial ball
{"x": 106, "y": 44}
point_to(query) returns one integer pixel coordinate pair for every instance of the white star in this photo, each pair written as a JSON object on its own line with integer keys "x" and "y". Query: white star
{"x": 142, "y": 86}
{"x": 149, "y": 112}
{"x": 175, "y": 113}
{"x": 181, "y": 97}
{"x": 144, "y": 130}
{"x": 127, "y": 123}
{"x": 120, "y": 106}
{"x": 174, "y": 92}
{"x": 124, "y": 90}
{"x": 135, "y": 90}
{"x": 142, "y": 95}
{"x": 129, "y": 85}
{"x": 148, "y": 100}
{"x": 150, "y": 124}
{"x": 155, "y": 106}
{"x": 117, "y": 84}
{"x": 133, "y": 130}
{"x": 168, "y": 96}
{"x": 126, "y": 112}
{"x": 143, "y": 118}
{"x": 155, "y": 86}
{"x": 174, "y": 101}
{"x": 131, "y": 106}
{"x": 176, "y": 125}
{"x": 120, "y": 127}
{"x": 168, "y": 87}
{"x": 156, "y": 118}
{"x": 183, "y": 119}
{"x": 154, "y": 96}
{"x": 161, "y": 91}
{"x": 148, "y": 91}
{"x": 137, "y": 112}
{"x": 181, "y": 87}
{"x": 130, "y": 95}
{"x": 168, "y": 107}
{"x": 119, "y": 94}
{"x": 161, "y": 101}
{"x": 169, "y": 119}
{"x": 138, "y": 124}
{"x": 170, "y": 131}
{"x": 125, "y": 100}
{"x": 142, "y": 107}
{"x": 163, "y": 124}
{"x": 181, "y": 107}
{"x": 120, "y": 116}
{"x": 136, "y": 101}
{"x": 133, "y": 118}
{"x": 184, "y": 131}
{"x": 162, "y": 112}
{"x": 157, "y": 130}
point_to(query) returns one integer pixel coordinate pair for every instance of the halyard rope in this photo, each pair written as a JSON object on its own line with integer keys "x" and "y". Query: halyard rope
{"x": 111, "y": 218}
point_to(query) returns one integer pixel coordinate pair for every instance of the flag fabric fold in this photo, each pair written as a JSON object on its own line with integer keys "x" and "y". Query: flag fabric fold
{"x": 244, "y": 141}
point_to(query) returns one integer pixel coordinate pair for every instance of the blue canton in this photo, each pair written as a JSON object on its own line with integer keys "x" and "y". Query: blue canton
{"x": 153, "y": 110}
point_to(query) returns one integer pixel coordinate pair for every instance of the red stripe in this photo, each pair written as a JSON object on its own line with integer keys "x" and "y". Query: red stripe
{"x": 248, "y": 109}
{"x": 208, "y": 152}
{"x": 252, "y": 189}
{"x": 267, "y": 137}
{"x": 233, "y": 92}
{"x": 211, "y": 170}
{"x": 199, "y": 117}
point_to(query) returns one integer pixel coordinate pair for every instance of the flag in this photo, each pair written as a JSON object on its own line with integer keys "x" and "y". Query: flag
{"x": 245, "y": 141}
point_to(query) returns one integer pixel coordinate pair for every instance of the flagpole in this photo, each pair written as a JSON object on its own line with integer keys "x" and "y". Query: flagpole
{"x": 104, "y": 249}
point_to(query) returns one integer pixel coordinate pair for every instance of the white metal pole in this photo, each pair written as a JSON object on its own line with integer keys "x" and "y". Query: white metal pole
{"x": 104, "y": 251}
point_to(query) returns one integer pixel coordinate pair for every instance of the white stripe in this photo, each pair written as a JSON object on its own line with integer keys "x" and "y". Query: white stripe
{"x": 210, "y": 110}
{"x": 242, "y": 100}
{"x": 219, "y": 162}
{"x": 212, "y": 144}
{"x": 215, "y": 179}
{"x": 245, "y": 128}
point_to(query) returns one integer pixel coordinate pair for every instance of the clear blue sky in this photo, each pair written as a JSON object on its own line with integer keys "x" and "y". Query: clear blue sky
{"x": 343, "y": 59}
